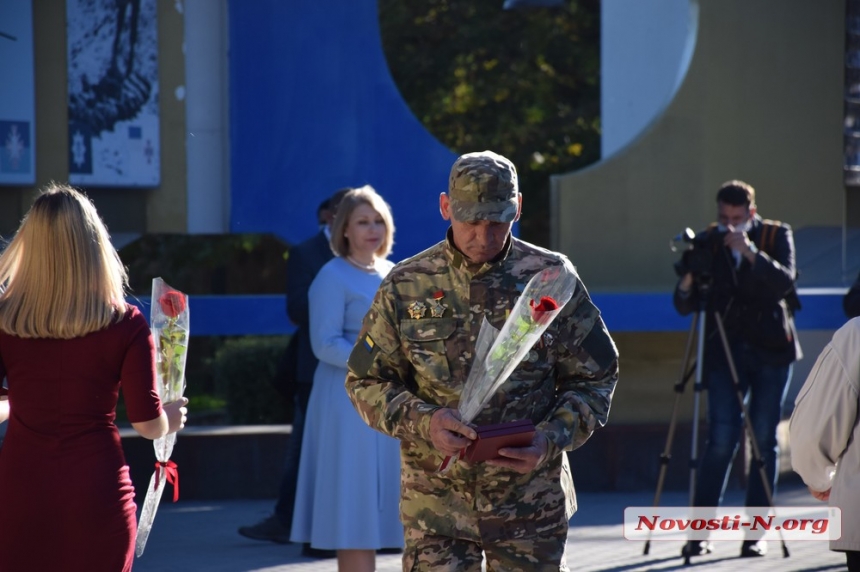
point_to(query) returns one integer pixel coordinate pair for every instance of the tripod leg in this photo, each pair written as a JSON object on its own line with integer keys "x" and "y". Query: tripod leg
{"x": 697, "y": 390}
{"x": 687, "y": 552}
{"x": 748, "y": 424}
{"x": 666, "y": 456}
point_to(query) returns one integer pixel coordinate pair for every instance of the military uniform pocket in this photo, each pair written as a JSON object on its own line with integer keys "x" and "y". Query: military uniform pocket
{"x": 425, "y": 340}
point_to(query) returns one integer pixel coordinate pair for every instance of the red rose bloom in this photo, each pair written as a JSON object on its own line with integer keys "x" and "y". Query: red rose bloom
{"x": 540, "y": 311}
{"x": 172, "y": 303}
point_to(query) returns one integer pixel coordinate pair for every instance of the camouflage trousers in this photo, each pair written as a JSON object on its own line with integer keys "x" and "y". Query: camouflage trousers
{"x": 430, "y": 553}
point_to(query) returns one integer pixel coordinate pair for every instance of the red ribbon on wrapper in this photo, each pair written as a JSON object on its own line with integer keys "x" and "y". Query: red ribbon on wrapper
{"x": 171, "y": 472}
{"x": 447, "y": 460}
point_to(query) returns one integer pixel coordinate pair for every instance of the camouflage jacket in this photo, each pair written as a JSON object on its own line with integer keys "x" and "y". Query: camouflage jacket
{"x": 408, "y": 363}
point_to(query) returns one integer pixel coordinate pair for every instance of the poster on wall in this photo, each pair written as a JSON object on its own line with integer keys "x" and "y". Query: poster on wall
{"x": 17, "y": 102}
{"x": 113, "y": 93}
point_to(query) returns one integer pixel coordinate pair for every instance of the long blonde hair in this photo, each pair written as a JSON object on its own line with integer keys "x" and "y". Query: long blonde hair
{"x": 60, "y": 277}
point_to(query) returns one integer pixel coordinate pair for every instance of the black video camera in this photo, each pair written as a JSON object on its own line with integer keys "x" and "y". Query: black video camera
{"x": 698, "y": 256}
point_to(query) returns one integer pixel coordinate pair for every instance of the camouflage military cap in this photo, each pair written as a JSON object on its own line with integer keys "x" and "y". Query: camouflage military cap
{"x": 483, "y": 186}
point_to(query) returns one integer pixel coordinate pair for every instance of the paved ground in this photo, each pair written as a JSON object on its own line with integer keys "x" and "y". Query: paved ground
{"x": 197, "y": 535}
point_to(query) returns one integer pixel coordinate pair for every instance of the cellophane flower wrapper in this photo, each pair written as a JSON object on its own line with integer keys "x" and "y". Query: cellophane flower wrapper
{"x": 499, "y": 352}
{"x": 169, "y": 322}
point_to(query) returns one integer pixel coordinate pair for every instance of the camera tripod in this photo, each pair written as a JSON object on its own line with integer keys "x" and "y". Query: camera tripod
{"x": 697, "y": 330}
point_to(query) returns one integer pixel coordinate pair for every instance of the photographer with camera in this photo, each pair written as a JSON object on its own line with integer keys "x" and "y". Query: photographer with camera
{"x": 743, "y": 268}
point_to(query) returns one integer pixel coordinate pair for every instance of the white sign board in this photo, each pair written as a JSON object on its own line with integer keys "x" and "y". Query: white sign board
{"x": 113, "y": 93}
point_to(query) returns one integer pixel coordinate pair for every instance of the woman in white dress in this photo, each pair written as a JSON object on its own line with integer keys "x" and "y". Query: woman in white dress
{"x": 349, "y": 475}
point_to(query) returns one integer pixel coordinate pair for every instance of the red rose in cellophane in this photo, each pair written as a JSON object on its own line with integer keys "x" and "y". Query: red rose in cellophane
{"x": 172, "y": 303}
{"x": 169, "y": 319}
{"x": 541, "y": 310}
{"x": 169, "y": 322}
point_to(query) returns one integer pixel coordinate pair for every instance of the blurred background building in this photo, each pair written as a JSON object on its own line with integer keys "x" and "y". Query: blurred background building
{"x": 226, "y": 117}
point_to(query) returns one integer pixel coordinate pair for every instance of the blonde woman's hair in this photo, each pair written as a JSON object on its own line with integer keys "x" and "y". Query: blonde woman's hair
{"x": 60, "y": 277}
{"x": 365, "y": 195}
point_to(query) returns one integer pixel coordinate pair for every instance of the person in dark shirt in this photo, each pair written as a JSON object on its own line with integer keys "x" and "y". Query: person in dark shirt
{"x": 303, "y": 264}
{"x": 851, "y": 300}
{"x": 749, "y": 281}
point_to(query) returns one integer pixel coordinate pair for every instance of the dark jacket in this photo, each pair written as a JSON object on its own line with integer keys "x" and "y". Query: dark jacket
{"x": 851, "y": 301}
{"x": 303, "y": 264}
{"x": 753, "y": 300}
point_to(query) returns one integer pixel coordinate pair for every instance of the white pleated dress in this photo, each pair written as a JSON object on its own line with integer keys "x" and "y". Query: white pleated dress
{"x": 349, "y": 475}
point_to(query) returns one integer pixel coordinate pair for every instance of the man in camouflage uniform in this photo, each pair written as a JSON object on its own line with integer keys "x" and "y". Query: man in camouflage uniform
{"x": 407, "y": 371}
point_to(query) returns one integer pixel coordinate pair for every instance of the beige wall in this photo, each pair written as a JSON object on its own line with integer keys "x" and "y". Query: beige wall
{"x": 762, "y": 101}
{"x": 650, "y": 367}
{"x": 162, "y": 209}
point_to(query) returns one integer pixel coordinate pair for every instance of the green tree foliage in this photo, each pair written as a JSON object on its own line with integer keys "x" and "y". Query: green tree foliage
{"x": 207, "y": 264}
{"x": 244, "y": 368}
{"x": 523, "y": 83}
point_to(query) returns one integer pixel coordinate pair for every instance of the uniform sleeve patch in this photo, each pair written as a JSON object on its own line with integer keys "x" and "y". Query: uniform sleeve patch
{"x": 369, "y": 344}
{"x": 363, "y": 355}
{"x": 600, "y": 347}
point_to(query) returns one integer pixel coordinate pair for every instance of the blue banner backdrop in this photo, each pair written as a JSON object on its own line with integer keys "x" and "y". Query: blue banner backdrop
{"x": 633, "y": 312}
{"x": 313, "y": 108}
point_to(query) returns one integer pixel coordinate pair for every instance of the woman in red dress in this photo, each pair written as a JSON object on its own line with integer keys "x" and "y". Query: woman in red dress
{"x": 68, "y": 342}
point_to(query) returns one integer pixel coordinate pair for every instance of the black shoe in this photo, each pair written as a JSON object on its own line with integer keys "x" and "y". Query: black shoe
{"x": 696, "y": 548}
{"x": 753, "y": 548}
{"x": 269, "y": 529}
{"x": 310, "y": 552}
{"x": 390, "y": 551}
